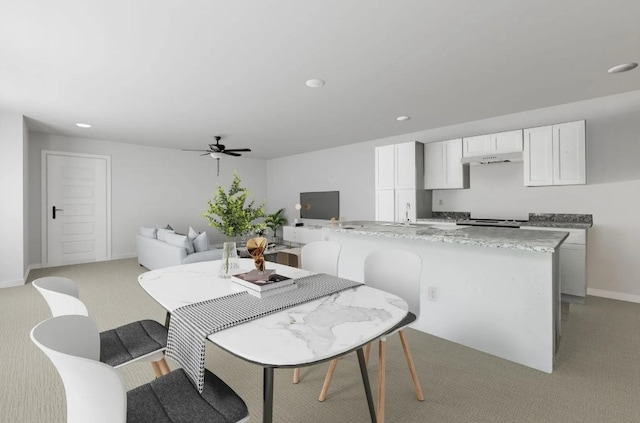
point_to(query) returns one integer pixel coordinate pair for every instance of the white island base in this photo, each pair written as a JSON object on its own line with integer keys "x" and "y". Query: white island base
{"x": 502, "y": 301}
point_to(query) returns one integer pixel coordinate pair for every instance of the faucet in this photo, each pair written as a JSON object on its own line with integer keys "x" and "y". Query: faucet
{"x": 406, "y": 214}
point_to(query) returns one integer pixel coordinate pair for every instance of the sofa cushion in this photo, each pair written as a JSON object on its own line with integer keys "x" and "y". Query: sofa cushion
{"x": 148, "y": 232}
{"x": 201, "y": 243}
{"x": 208, "y": 255}
{"x": 193, "y": 234}
{"x": 180, "y": 241}
{"x": 162, "y": 233}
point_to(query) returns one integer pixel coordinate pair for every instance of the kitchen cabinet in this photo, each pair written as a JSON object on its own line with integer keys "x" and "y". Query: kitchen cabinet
{"x": 502, "y": 142}
{"x": 401, "y": 204}
{"x": 301, "y": 234}
{"x": 385, "y": 167}
{"x": 409, "y": 165}
{"x": 573, "y": 263}
{"x": 443, "y": 168}
{"x": 399, "y": 173}
{"x": 400, "y": 166}
{"x": 555, "y": 154}
{"x": 385, "y": 205}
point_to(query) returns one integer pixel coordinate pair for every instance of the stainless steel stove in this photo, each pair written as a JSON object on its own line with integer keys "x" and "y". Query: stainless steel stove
{"x": 498, "y": 223}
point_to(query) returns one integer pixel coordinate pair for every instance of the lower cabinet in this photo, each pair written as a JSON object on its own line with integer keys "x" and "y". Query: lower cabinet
{"x": 301, "y": 234}
{"x": 573, "y": 263}
{"x": 385, "y": 205}
{"x": 400, "y": 205}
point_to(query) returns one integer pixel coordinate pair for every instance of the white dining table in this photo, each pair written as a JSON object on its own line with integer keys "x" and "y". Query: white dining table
{"x": 305, "y": 334}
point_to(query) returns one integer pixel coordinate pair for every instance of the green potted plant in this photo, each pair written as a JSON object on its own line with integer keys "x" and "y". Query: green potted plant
{"x": 274, "y": 221}
{"x": 229, "y": 214}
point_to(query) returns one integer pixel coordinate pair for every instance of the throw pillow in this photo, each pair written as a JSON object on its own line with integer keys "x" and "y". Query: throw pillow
{"x": 148, "y": 232}
{"x": 192, "y": 233}
{"x": 162, "y": 234}
{"x": 201, "y": 242}
{"x": 180, "y": 241}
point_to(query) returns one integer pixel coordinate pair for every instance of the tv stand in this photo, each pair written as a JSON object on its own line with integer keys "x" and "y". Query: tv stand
{"x": 301, "y": 234}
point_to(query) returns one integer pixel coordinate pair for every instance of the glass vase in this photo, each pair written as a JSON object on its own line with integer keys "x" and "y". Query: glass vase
{"x": 229, "y": 262}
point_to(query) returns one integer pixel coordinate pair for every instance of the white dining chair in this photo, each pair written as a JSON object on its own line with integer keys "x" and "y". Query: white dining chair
{"x": 96, "y": 393}
{"x": 143, "y": 340}
{"x": 397, "y": 272}
{"x": 319, "y": 257}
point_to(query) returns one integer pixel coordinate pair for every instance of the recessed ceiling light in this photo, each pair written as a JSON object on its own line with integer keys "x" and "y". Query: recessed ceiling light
{"x": 315, "y": 83}
{"x": 402, "y": 118}
{"x": 83, "y": 125}
{"x": 623, "y": 67}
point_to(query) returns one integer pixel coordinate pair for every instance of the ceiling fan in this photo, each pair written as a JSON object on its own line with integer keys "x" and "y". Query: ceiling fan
{"x": 217, "y": 151}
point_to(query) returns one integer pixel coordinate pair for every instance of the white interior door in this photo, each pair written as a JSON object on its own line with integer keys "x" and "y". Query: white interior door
{"x": 76, "y": 209}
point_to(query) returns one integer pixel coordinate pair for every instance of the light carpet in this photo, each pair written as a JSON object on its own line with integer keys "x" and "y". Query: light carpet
{"x": 596, "y": 377}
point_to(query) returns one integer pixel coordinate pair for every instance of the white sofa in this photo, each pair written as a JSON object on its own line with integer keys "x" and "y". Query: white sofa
{"x": 154, "y": 253}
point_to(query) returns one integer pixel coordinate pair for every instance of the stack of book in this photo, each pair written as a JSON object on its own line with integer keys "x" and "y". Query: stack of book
{"x": 263, "y": 284}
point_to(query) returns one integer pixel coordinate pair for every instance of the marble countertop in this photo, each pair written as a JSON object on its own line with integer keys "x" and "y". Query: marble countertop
{"x": 511, "y": 238}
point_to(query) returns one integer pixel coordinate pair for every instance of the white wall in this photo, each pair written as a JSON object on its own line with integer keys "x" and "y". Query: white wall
{"x": 150, "y": 186}
{"x": 12, "y": 208}
{"x": 612, "y": 193}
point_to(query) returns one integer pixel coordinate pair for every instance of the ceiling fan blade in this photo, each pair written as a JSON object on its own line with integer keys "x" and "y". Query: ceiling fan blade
{"x": 230, "y": 153}
{"x": 205, "y": 154}
{"x": 189, "y": 149}
{"x": 238, "y": 149}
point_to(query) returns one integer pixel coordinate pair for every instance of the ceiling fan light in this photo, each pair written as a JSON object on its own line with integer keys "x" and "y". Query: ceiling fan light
{"x": 625, "y": 67}
{"x": 216, "y": 155}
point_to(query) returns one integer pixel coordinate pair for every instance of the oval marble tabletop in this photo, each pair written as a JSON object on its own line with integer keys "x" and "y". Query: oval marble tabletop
{"x": 303, "y": 334}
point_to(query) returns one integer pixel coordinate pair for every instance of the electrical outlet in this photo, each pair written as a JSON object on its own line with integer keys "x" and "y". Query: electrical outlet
{"x": 440, "y": 202}
{"x": 432, "y": 293}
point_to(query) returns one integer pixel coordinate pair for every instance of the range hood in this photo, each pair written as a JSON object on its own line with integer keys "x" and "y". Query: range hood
{"x": 493, "y": 158}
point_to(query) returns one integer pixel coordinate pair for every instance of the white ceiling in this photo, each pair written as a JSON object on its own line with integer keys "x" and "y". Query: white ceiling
{"x": 173, "y": 74}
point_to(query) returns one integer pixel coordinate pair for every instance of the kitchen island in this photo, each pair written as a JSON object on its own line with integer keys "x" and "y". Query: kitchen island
{"x": 492, "y": 289}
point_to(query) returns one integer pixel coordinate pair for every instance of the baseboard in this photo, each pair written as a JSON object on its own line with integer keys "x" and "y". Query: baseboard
{"x": 124, "y": 256}
{"x": 11, "y": 284}
{"x": 118, "y": 257}
{"x": 613, "y": 295}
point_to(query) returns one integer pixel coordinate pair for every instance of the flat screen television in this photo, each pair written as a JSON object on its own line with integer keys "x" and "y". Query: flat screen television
{"x": 320, "y": 205}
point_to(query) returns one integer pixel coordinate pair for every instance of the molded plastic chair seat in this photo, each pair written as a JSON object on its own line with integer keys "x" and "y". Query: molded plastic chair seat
{"x": 408, "y": 319}
{"x": 143, "y": 340}
{"x": 132, "y": 341}
{"x": 96, "y": 393}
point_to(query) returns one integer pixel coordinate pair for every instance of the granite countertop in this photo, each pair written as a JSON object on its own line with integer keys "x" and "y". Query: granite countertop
{"x": 510, "y": 238}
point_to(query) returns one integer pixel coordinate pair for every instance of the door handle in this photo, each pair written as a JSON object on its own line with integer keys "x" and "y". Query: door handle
{"x": 55, "y": 210}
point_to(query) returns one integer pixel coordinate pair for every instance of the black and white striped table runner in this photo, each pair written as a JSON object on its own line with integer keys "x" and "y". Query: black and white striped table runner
{"x": 191, "y": 324}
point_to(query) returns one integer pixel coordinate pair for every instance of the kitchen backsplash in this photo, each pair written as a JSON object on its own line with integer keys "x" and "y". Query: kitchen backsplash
{"x": 533, "y": 217}
{"x": 561, "y": 218}
{"x": 450, "y": 215}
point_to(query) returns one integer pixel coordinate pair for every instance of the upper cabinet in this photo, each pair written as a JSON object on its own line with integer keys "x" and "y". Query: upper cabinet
{"x": 555, "y": 155}
{"x": 385, "y": 167}
{"x": 443, "y": 168}
{"x": 400, "y": 166}
{"x": 503, "y": 142}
